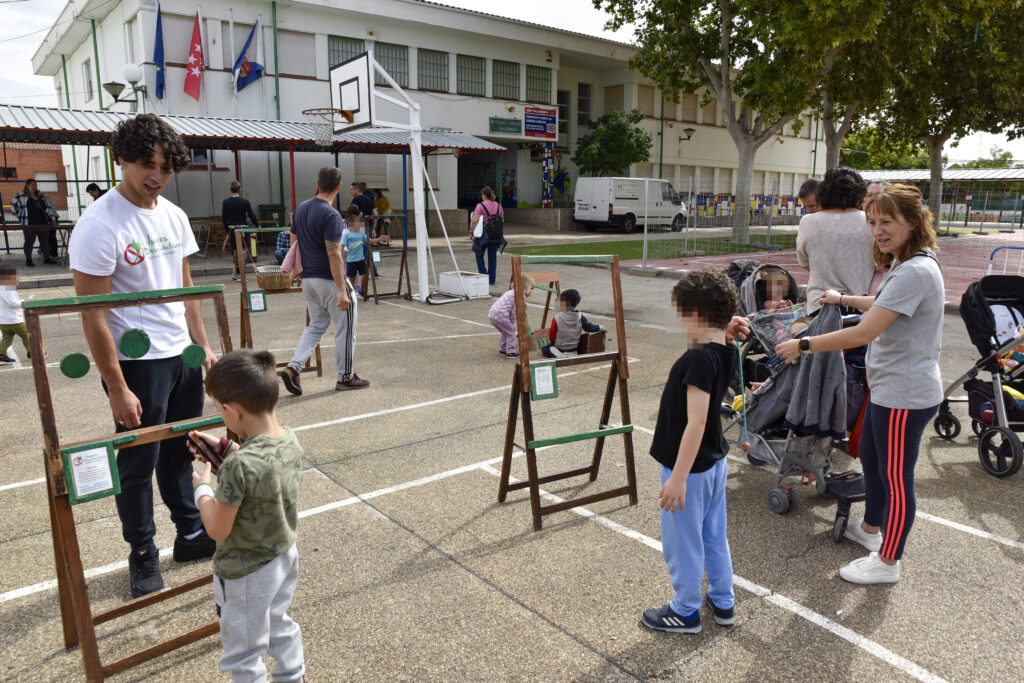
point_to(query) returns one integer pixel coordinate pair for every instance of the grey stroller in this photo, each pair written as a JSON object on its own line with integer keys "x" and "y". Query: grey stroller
{"x": 796, "y": 418}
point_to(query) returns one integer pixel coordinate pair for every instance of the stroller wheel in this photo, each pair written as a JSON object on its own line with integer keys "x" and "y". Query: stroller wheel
{"x": 1000, "y": 451}
{"x": 780, "y": 501}
{"x": 946, "y": 425}
{"x": 839, "y": 528}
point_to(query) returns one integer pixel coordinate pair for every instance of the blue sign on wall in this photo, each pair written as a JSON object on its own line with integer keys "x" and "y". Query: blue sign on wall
{"x": 541, "y": 123}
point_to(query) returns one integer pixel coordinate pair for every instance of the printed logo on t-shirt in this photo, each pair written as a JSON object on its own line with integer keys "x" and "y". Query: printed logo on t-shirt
{"x": 134, "y": 254}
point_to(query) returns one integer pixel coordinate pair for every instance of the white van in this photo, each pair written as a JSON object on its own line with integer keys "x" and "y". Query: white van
{"x": 621, "y": 203}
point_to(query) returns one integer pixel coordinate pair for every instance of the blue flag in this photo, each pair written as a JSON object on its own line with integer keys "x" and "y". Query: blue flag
{"x": 158, "y": 54}
{"x": 245, "y": 71}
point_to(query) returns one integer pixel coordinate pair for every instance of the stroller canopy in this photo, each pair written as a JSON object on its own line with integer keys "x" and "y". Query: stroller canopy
{"x": 989, "y": 307}
{"x": 754, "y": 290}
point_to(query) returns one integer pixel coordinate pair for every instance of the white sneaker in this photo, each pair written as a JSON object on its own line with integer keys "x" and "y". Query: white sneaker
{"x": 869, "y": 570}
{"x": 855, "y": 532}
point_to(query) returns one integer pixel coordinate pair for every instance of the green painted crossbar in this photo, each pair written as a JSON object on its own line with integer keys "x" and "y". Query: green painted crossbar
{"x": 122, "y": 296}
{"x": 248, "y": 230}
{"x": 205, "y": 422}
{"x": 578, "y": 258}
{"x": 582, "y": 436}
{"x": 127, "y": 438}
{"x": 546, "y": 288}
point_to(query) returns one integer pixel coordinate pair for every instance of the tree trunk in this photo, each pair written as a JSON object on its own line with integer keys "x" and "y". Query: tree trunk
{"x": 744, "y": 174}
{"x": 834, "y": 135}
{"x": 935, "y": 144}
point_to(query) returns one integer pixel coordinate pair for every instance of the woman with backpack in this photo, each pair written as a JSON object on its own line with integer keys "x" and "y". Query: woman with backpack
{"x": 492, "y": 237}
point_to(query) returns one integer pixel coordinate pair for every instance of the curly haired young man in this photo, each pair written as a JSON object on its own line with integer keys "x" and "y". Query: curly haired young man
{"x": 130, "y": 240}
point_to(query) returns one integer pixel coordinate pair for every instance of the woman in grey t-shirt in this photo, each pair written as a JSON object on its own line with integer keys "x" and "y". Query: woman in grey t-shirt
{"x": 903, "y": 322}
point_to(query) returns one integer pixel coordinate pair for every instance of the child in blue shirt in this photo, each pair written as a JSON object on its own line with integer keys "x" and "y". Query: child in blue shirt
{"x": 355, "y": 242}
{"x": 689, "y": 444}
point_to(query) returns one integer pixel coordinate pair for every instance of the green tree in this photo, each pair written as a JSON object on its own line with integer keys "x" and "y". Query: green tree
{"x": 867, "y": 147}
{"x": 762, "y": 60}
{"x": 997, "y": 158}
{"x": 612, "y": 144}
{"x": 972, "y": 81}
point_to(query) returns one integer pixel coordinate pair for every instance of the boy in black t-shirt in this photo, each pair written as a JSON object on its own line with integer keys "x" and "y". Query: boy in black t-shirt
{"x": 689, "y": 444}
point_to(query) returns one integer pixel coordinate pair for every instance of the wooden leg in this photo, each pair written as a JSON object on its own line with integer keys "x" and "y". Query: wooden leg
{"x": 606, "y": 412}
{"x": 223, "y": 326}
{"x": 510, "y": 435}
{"x": 531, "y": 461}
{"x": 628, "y": 442}
{"x": 78, "y": 589}
{"x": 60, "y": 561}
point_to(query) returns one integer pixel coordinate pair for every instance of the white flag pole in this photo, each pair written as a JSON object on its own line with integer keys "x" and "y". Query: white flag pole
{"x": 202, "y": 90}
{"x": 261, "y": 59}
{"x": 234, "y": 55}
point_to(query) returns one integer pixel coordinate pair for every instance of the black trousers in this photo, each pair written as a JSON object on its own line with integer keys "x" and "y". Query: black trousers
{"x": 169, "y": 391}
{"x": 47, "y": 243}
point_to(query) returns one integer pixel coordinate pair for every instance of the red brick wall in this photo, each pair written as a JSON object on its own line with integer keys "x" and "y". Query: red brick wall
{"x": 27, "y": 160}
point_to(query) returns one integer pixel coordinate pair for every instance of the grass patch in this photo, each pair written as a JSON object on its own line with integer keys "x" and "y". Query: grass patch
{"x": 659, "y": 248}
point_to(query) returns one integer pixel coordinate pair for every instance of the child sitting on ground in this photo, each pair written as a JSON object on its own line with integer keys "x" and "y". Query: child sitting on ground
{"x": 567, "y": 326}
{"x": 689, "y": 444}
{"x": 253, "y": 519}
{"x": 12, "y": 317}
{"x": 354, "y": 240}
{"x": 503, "y": 316}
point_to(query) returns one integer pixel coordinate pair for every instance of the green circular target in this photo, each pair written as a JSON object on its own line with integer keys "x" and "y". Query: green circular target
{"x": 134, "y": 343}
{"x": 74, "y": 365}
{"x": 193, "y": 356}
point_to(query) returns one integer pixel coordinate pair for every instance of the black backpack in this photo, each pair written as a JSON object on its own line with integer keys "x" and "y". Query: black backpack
{"x": 494, "y": 224}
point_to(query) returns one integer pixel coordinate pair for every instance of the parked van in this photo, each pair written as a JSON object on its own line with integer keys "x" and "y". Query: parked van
{"x": 621, "y": 203}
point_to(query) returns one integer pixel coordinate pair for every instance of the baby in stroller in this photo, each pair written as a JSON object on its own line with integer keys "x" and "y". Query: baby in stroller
{"x": 798, "y": 415}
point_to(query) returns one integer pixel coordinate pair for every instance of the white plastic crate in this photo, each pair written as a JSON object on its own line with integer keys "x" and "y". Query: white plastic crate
{"x": 476, "y": 285}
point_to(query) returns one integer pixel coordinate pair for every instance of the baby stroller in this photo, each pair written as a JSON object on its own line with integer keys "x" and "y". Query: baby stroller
{"x": 993, "y": 312}
{"x": 796, "y": 418}
{"x": 755, "y": 292}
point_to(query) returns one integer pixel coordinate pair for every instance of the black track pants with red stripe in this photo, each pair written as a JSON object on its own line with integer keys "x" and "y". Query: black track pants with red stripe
{"x": 889, "y": 443}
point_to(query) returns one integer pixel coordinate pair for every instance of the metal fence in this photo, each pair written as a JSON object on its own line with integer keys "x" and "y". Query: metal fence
{"x": 69, "y": 198}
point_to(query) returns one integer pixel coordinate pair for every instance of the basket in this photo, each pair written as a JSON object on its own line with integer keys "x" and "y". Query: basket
{"x": 271, "y": 277}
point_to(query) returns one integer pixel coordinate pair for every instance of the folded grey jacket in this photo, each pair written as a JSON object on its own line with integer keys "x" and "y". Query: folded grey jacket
{"x": 818, "y": 402}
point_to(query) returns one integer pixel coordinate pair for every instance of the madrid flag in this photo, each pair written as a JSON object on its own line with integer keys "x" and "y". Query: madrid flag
{"x": 246, "y": 71}
{"x": 194, "y": 69}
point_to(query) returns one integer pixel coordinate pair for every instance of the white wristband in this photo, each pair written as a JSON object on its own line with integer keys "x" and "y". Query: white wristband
{"x": 201, "y": 491}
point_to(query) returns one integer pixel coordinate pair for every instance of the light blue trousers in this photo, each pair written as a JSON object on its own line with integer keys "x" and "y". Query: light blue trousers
{"x": 694, "y": 542}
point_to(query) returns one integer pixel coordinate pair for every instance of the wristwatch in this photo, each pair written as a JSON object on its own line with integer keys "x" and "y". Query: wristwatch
{"x": 805, "y": 345}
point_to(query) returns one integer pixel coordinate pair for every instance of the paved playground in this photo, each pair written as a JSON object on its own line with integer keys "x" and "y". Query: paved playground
{"x": 411, "y": 570}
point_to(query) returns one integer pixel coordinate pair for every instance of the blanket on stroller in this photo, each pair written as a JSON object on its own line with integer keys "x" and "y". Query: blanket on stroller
{"x": 817, "y": 405}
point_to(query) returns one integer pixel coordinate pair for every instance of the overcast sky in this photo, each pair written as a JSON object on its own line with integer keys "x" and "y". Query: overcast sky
{"x": 31, "y": 18}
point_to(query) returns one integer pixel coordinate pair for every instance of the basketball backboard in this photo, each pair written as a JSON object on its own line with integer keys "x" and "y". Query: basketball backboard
{"x": 352, "y": 90}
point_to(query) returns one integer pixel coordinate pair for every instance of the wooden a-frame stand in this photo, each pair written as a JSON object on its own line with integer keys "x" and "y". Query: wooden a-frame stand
{"x": 403, "y": 271}
{"x": 521, "y": 397}
{"x": 244, "y": 321}
{"x": 77, "y": 618}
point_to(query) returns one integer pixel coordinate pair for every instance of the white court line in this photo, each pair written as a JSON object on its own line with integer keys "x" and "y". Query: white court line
{"x": 440, "y": 315}
{"x": 852, "y": 637}
{"x": 923, "y": 515}
{"x": 22, "y": 483}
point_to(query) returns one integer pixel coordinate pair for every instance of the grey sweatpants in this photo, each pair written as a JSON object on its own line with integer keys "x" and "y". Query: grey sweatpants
{"x": 253, "y": 620}
{"x": 322, "y": 302}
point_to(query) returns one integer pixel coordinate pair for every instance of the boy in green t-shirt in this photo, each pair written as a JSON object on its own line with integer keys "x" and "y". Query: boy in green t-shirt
{"x": 253, "y": 519}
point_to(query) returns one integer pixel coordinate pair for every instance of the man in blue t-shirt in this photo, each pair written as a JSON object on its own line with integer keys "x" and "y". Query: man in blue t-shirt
{"x": 318, "y": 228}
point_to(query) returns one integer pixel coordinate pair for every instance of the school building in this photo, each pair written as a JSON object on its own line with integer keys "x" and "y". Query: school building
{"x": 530, "y": 88}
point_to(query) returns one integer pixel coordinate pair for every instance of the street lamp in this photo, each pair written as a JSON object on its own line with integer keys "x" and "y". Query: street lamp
{"x": 133, "y": 74}
{"x": 689, "y": 134}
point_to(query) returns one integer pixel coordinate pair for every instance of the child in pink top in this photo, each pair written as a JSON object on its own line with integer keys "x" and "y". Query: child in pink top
{"x": 503, "y": 316}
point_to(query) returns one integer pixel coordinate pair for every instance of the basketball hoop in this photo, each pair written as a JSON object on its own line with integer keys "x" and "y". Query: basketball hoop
{"x": 324, "y": 121}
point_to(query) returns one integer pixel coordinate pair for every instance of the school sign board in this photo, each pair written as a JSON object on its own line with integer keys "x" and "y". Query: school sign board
{"x": 541, "y": 123}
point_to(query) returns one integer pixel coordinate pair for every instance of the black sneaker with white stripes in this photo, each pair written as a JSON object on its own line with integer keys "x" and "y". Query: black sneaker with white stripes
{"x": 665, "y": 619}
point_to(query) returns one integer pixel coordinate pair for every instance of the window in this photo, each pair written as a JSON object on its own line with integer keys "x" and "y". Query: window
{"x": 563, "y": 111}
{"x": 432, "y": 70}
{"x": 506, "y": 80}
{"x": 60, "y": 96}
{"x": 200, "y": 157}
{"x": 689, "y": 114}
{"x": 613, "y": 98}
{"x": 9, "y": 172}
{"x": 395, "y": 60}
{"x": 725, "y": 181}
{"x": 584, "y": 100}
{"x": 87, "y": 77}
{"x": 538, "y": 84}
{"x": 341, "y": 49}
{"x": 471, "y": 73}
{"x": 710, "y": 113}
{"x": 645, "y": 99}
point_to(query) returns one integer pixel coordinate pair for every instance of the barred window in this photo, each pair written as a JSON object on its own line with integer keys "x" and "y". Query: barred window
{"x": 584, "y": 98}
{"x": 538, "y": 84}
{"x": 563, "y": 111}
{"x": 432, "y": 70}
{"x": 341, "y": 49}
{"x": 90, "y": 91}
{"x": 471, "y": 73}
{"x": 506, "y": 80}
{"x": 395, "y": 60}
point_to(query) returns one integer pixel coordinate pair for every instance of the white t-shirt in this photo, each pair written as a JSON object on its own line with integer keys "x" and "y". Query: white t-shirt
{"x": 141, "y": 249}
{"x": 10, "y": 306}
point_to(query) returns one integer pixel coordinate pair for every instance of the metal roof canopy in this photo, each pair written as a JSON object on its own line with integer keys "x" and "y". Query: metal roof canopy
{"x": 974, "y": 175}
{"x": 93, "y": 127}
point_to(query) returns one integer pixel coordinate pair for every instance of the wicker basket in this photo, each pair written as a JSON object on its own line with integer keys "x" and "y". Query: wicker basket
{"x": 271, "y": 277}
